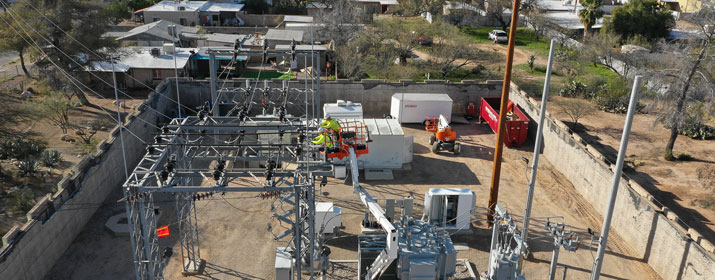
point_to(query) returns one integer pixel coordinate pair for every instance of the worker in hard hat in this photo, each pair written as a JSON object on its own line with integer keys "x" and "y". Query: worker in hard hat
{"x": 332, "y": 127}
{"x": 323, "y": 138}
{"x": 330, "y": 124}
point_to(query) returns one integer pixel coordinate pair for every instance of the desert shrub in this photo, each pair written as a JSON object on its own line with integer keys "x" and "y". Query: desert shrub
{"x": 684, "y": 157}
{"x": 51, "y": 158}
{"x": 573, "y": 89}
{"x": 24, "y": 200}
{"x": 21, "y": 148}
{"x": 698, "y": 131}
{"x": 614, "y": 96}
{"x": 28, "y": 167}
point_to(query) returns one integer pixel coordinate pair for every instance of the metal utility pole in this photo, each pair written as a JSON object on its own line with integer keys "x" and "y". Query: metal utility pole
{"x": 596, "y": 272}
{"x": 212, "y": 71}
{"x": 176, "y": 70}
{"x": 562, "y": 238}
{"x": 539, "y": 143}
{"x": 496, "y": 172}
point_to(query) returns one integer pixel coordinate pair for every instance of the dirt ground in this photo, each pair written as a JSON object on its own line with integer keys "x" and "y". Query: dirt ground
{"x": 44, "y": 182}
{"x": 687, "y": 187}
{"x": 235, "y": 242}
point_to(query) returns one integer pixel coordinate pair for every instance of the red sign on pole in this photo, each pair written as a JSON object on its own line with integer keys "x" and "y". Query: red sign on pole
{"x": 162, "y": 231}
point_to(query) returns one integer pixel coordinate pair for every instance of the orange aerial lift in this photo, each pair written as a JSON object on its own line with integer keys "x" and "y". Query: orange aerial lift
{"x": 352, "y": 134}
{"x": 443, "y": 137}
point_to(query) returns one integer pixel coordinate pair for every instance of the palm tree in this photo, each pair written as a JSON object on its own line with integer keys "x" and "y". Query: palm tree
{"x": 589, "y": 14}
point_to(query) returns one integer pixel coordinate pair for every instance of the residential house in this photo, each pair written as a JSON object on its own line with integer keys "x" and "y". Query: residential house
{"x": 283, "y": 37}
{"x": 139, "y": 66}
{"x": 192, "y": 13}
{"x": 157, "y": 34}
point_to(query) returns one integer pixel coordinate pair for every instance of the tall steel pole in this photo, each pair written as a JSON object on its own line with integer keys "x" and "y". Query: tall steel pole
{"x": 176, "y": 70}
{"x": 496, "y": 172}
{"x": 212, "y": 72}
{"x": 598, "y": 263}
{"x": 539, "y": 143}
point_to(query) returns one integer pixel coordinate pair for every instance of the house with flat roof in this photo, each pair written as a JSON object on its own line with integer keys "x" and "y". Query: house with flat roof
{"x": 192, "y": 13}
{"x": 283, "y": 37}
{"x": 139, "y": 66}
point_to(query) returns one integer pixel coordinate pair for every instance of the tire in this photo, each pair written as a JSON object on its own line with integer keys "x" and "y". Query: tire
{"x": 432, "y": 139}
{"x": 435, "y": 147}
{"x": 457, "y": 149}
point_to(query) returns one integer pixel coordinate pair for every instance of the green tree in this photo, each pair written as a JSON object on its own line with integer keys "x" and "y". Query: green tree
{"x": 140, "y": 4}
{"x": 256, "y": 7}
{"x": 12, "y": 41}
{"x": 117, "y": 11}
{"x": 590, "y": 13}
{"x": 70, "y": 34}
{"x": 647, "y": 18}
{"x": 54, "y": 108}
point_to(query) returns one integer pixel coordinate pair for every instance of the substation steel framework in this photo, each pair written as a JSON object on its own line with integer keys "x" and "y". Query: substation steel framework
{"x": 237, "y": 151}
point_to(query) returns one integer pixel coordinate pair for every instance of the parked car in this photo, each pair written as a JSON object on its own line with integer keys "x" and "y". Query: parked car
{"x": 498, "y": 36}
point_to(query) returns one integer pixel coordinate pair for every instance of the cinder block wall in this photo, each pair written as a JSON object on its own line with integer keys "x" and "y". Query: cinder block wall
{"x": 375, "y": 95}
{"x": 653, "y": 232}
{"x": 30, "y": 251}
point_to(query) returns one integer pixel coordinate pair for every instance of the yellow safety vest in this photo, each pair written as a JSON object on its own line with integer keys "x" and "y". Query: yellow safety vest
{"x": 323, "y": 138}
{"x": 330, "y": 124}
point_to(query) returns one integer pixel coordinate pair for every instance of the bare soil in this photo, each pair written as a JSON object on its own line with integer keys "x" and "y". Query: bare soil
{"x": 236, "y": 244}
{"x": 686, "y": 187}
{"x": 45, "y": 182}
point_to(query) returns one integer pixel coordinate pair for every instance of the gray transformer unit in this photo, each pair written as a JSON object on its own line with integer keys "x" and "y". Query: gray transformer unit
{"x": 425, "y": 252}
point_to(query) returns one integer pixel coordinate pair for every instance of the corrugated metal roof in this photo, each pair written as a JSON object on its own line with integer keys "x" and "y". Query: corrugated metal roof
{"x": 158, "y": 29}
{"x": 318, "y": 48}
{"x": 224, "y": 38}
{"x": 222, "y": 7}
{"x": 302, "y": 19}
{"x": 284, "y": 35}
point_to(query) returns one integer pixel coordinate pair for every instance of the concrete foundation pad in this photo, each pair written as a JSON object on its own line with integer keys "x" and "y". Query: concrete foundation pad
{"x": 378, "y": 174}
{"x": 118, "y": 225}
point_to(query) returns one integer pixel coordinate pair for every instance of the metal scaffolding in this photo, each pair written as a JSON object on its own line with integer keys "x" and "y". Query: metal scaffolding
{"x": 246, "y": 149}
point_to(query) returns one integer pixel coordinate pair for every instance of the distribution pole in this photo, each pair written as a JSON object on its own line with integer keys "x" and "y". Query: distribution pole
{"x": 212, "y": 71}
{"x": 494, "y": 190}
{"x": 539, "y": 143}
{"x": 598, "y": 263}
{"x": 176, "y": 70}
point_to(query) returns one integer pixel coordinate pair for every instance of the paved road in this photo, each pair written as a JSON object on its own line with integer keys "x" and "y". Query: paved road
{"x": 5, "y": 58}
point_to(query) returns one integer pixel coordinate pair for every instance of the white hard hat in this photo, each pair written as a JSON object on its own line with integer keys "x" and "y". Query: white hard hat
{"x": 321, "y": 130}
{"x": 327, "y": 115}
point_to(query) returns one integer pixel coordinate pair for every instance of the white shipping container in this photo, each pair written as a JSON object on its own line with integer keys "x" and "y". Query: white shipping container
{"x": 417, "y": 107}
{"x": 390, "y": 148}
{"x": 343, "y": 110}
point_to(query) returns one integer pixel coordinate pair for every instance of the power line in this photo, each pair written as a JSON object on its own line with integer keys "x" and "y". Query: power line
{"x": 71, "y": 79}
{"x": 93, "y": 52}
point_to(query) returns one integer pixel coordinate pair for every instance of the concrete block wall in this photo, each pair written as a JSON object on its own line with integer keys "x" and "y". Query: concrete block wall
{"x": 30, "y": 251}
{"x": 375, "y": 95}
{"x": 652, "y": 231}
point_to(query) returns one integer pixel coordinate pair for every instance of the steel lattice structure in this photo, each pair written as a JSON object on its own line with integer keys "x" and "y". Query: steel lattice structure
{"x": 213, "y": 153}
